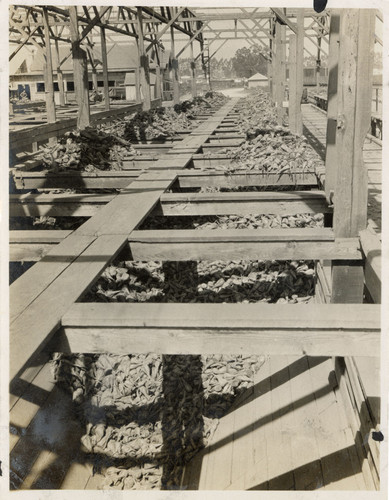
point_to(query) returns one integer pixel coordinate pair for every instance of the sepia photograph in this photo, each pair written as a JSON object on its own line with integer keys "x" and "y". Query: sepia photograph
{"x": 193, "y": 233}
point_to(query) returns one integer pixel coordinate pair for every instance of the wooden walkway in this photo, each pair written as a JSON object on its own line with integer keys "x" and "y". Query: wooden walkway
{"x": 289, "y": 432}
{"x": 315, "y": 126}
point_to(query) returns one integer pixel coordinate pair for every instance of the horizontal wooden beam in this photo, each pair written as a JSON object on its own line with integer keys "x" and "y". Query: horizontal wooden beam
{"x": 75, "y": 179}
{"x": 73, "y": 205}
{"x": 313, "y": 329}
{"x": 246, "y": 178}
{"x": 32, "y": 246}
{"x": 232, "y": 244}
{"x": 283, "y": 203}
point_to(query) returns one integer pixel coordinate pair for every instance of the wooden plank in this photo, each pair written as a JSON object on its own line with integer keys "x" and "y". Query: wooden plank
{"x": 48, "y": 180}
{"x": 33, "y": 236}
{"x": 244, "y": 203}
{"x": 317, "y": 329}
{"x": 334, "y": 447}
{"x": 232, "y": 244}
{"x": 31, "y": 284}
{"x": 73, "y": 205}
{"x": 218, "y": 472}
{"x": 305, "y": 450}
{"x": 192, "y": 179}
{"x": 38, "y": 463}
{"x": 31, "y": 329}
{"x": 280, "y": 466}
{"x": 242, "y": 447}
{"x": 25, "y": 409}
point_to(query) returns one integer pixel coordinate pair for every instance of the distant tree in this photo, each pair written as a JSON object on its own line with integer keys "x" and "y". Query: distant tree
{"x": 247, "y": 62}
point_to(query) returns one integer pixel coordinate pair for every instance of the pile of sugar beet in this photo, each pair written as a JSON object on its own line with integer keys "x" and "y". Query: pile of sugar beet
{"x": 147, "y": 415}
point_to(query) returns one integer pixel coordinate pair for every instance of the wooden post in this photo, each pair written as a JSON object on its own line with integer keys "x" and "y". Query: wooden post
{"x": 158, "y": 79}
{"x": 270, "y": 63}
{"x": 354, "y": 111}
{"x": 279, "y": 72}
{"x": 332, "y": 104}
{"x": 138, "y": 96}
{"x": 296, "y": 53}
{"x": 48, "y": 72}
{"x": 176, "y": 84}
{"x": 193, "y": 72}
{"x": 80, "y": 68}
{"x": 143, "y": 63}
{"x": 105, "y": 68}
{"x": 61, "y": 88}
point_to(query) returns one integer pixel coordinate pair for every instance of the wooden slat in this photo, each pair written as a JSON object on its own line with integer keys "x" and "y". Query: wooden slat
{"x": 31, "y": 246}
{"x": 317, "y": 329}
{"x": 232, "y": 244}
{"x": 244, "y": 203}
{"x": 32, "y": 329}
{"x": 32, "y": 283}
{"x": 193, "y": 179}
{"x": 73, "y": 205}
{"x": 48, "y": 180}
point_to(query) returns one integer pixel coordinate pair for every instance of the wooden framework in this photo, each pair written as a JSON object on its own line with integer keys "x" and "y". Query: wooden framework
{"x": 69, "y": 262}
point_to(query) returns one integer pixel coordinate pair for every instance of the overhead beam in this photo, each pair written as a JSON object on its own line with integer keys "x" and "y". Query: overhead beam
{"x": 285, "y": 20}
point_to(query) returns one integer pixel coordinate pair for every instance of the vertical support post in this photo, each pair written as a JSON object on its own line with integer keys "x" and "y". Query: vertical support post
{"x": 296, "y": 57}
{"x": 94, "y": 71}
{"x": 144, "y": 63}
{"x": 279, "y": 72}
{"x": 80, "y": 69}
{"x": 138, "y": 96}
{"x": 332, "y": 104}
{"x": 176, "y": 85}
{"x": 104, "y": 58}
{"x": 158, "y": 79}
{"x": 61, "y": 89}
{"x": 48, "y": 72}
{"x": 354, "y": 111}
{"x": 270, "y": 64}
{"x": 193, "y": 71}
{"x": 209, "y": 70}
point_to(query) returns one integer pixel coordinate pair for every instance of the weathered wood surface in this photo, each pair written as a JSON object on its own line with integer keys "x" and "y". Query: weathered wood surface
{"x": 232, "y": 244}
{"x": 283, "y": 203}
{"x": 299, "y": 436}
{"x": 314, "y": 329}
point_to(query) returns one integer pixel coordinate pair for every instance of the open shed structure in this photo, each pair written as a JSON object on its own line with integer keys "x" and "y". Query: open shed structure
{"x": 310, "y": 417}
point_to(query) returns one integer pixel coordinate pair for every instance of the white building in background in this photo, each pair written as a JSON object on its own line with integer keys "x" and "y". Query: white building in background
{"x": 258, "y": 80}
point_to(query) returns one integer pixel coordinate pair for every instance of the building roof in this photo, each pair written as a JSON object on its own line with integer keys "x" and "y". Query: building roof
{"x": 121, "y": 57}
{"x": 257, "y": 77}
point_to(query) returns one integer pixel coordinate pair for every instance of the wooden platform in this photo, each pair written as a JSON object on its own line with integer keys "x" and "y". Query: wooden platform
{"x": 289, "y": 432}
